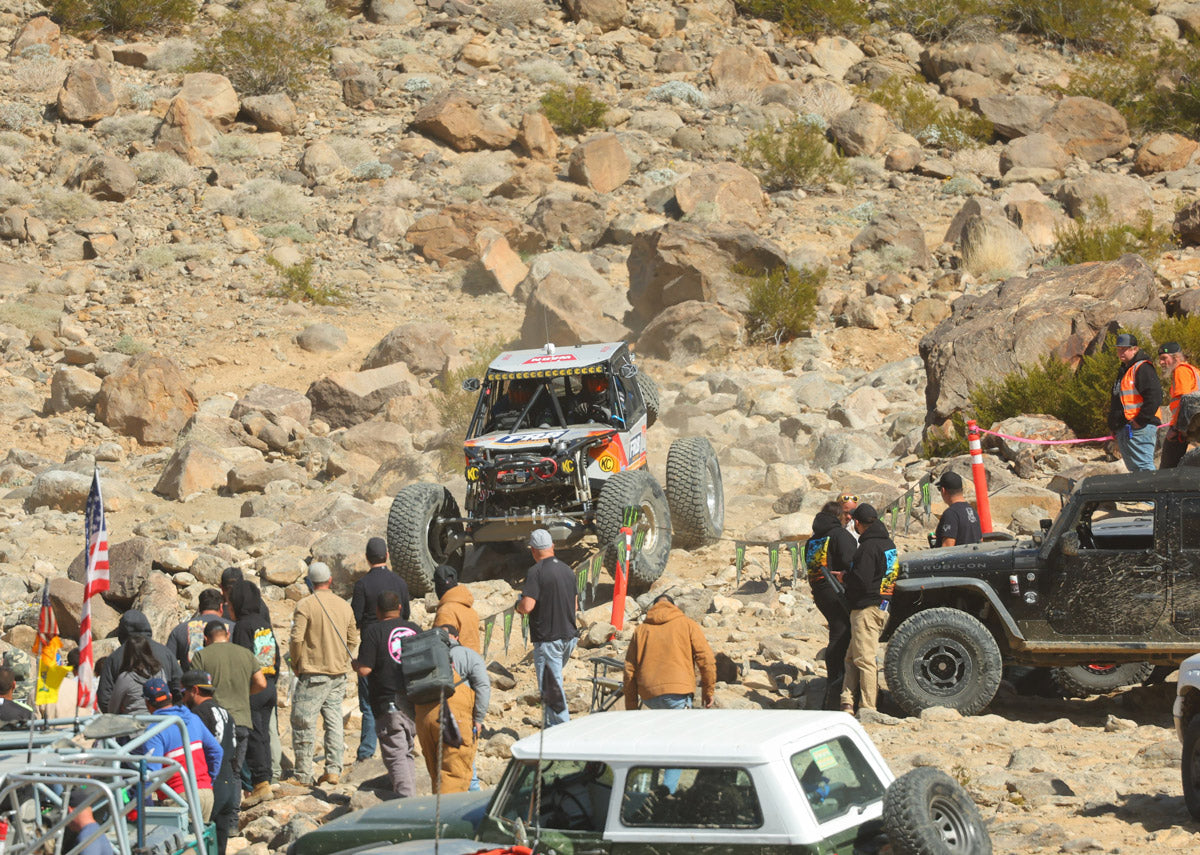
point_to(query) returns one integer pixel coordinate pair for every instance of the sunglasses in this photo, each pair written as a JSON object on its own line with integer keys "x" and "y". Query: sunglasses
{"x": 846, "y": 497}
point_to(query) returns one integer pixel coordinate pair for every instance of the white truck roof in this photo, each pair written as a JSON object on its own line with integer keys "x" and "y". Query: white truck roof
{"x": 551, "y": 358}
{"x": 679, "y": 736}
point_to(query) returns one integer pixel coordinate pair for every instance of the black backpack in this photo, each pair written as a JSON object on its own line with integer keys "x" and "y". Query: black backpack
{"x": 425, "y": 663}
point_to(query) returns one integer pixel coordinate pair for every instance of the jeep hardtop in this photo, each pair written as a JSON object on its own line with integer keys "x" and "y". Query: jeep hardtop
{"x": 1111, "y": 588}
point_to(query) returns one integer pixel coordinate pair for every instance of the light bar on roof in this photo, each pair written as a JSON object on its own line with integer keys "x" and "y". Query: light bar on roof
{"x": 544, "y": 373}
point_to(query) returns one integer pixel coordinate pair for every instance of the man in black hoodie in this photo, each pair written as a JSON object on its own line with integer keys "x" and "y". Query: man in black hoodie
{"x": 869, "y": 586}
{"x": 1133, "y": 407}
{"x": 132, "y": 623}
{"x": 830, "y": 551}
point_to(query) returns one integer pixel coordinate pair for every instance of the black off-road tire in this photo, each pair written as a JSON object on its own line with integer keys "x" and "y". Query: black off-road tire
{"x": 943, "y": 657}
{"x": 635, "y": 488}
{"x": 1080, "y": 681}
{"x": 416, "y": 543}
{"x": 1189, "y": 766}
{"x": 650, "y": 398}
{"x": 926, "y": 812}
{"x": 695, "y": 492}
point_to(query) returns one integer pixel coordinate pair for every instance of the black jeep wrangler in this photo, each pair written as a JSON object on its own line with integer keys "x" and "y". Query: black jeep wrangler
{"x": 1109, "y": 590}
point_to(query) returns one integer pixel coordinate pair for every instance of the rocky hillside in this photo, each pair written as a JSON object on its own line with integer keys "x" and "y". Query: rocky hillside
{"x": 243, "y": 306}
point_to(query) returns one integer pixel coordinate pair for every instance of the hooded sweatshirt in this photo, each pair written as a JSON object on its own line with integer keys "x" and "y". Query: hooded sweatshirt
{"x": 457, "y": 608}
{"x": 132, "y": 623}
{"x": 872, "y": 577}
{"x": 253, "y": 631}
{"x": 830, "y": 546}
{"x": 662, "y": 654}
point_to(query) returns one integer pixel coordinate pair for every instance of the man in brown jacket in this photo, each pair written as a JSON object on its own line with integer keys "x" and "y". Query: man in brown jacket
{"x": 456, "y": 607}
{"x": 324, "y": 638}
{"x": 660, "y": 660}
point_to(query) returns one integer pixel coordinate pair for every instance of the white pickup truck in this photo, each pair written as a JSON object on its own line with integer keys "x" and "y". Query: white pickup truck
{"x": 658, "y": 782}
{"x": 1187, "y": 725}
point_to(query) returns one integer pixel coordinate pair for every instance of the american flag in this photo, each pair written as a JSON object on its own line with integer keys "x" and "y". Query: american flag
{"x": 47, "y": 624}
{"x": 95, "y": 548}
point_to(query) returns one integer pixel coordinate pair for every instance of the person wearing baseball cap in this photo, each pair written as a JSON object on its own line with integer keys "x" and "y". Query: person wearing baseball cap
{"x": 205, "y": 750}
{"x": 959, "y": 524}
{"x": 198, "y": 696}
{"x": 550, "y": 599}
{"x": 869, "y": 584}
{"x": 1185, "y": 379}
{"x": 1133, "y": 407}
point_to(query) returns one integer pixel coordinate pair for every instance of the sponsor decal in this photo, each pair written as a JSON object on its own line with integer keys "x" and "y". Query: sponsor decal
{"x": 550, "y": 359}
{"x": 538, "y": 437}
{"x": 608, "y": 463}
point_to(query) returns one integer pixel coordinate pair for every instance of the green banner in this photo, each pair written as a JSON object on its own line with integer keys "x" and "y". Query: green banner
{"x": 794, "y": 549}
{"x": 739, "y": 558}
{"x": 638, "y": 540}
{"x": 773, "y": 558}
{"x": 525, "y": 629}
{"x": 508, "y": 620}
{"x": 488, "y": 626}
{"x": 895, "y": 513}
{"x": 597, "y": 563}
{"x": 630, "y": 515}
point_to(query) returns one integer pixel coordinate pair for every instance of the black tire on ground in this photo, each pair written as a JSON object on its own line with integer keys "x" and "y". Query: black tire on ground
{"x": 695, "y": 492}
{"x": 943, "y": 657}
{"x": 649, "y": 397}
{"x": 416, "y": 542}
{"x": 635, "y": 488}
{"x": 1190, "y": 767}
{"x": 926, "y": 812}
{"x": 1079, "y": 681}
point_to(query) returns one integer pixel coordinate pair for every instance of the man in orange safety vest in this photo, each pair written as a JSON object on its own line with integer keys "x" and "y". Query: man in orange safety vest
{"x": 1133, "y": 411}
{"x": 1184, "y": 380}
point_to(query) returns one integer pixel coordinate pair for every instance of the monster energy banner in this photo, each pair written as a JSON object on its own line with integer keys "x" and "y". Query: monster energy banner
{"x": 773, "y": 550}
{"x": 506, "y": 619}
{"x": 920, "y": 496}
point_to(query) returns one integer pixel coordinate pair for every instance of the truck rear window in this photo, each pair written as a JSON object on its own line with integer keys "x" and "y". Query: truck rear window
{"x": 708, "y": 797}
{"x": 836, "y": 777}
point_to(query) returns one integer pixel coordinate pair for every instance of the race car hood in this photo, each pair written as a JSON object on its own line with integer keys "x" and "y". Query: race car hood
{"x": 974, "y": 559}
{"x": 526, "y": 440}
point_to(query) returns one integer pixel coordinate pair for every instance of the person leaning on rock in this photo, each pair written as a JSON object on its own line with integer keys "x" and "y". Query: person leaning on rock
{"x": 1133, "y": 406}
{"x": 959, "y": 524}
{"x": 869, "y": 586}
{"x": 1185, "y": 379}
{"x": 456, "y": 607}
{"x": 666, "y": 650}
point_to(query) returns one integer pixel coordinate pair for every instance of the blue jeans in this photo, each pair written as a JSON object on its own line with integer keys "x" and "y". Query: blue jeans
{"x": 556, "y": 653}
{"x": 368, "y": 740}
{"x": 668, "y": 702}
{"x": 1137, "y": 447}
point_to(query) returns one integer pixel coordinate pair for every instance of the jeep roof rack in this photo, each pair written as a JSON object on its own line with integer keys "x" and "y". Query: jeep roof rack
{"x": 559, "y": 360}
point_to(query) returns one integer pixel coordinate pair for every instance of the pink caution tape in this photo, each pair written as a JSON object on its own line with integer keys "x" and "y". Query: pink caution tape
{"x": 1045, "y": 441}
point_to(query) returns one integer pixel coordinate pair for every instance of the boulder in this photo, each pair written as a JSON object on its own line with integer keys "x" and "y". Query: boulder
{"x": 565, "y": 298}
{"x": 688, "y": 331}
{"x": 349, "y": 397}
{"x": 212, "y": 96}
{"x": 273, "y": 402}
{"x": 392, "y": 12}
{"x": 976, "y": 206}
{"x": 148, "y": 399}
{"x": 321, "y": 164}
{"x": 1086, "y": 128}
{"x": 499, "y": 265}
{"x": 455, "y": 120}
{"x": 600, "y": 163}
{"x": 536, "y": 136}
{"x": 425, "y": 348}
{"x": 136, "y": 54}
{"x": 835, "y": 54}
{"x": 1022, "y": 319}
{"x": 992, "y": 245}
{"x": 247, "y": 534}
{"x": 1164, "y": 153}
{"x": 130, "y": 563}
{"x": 966, "y": 87}
{"x": 66, "y": 597}
{"x": 731, "y": 192}
{"x": 986, "y": 59}
{"x": 742, "y": 67}
{"x": 359, "y": 89}
{"x": 274, "y": 113}
{"x": 37, "y": 31}
{"x": 1037, "y": 221}
{"x": 105, "y": 177}
{"x": 1014, "y": 115}
{"x": 894, "y": 229}
{"x": 67, "y": 490}
{"x": 255, "y": 477}
{"x": 604, "y": 14}
{"x": 1098, "y": 195}
{"x": 87, "y": 94}
{"x": 18, "y": 224}
{"x": 186, "y": 133}
{"x": 862, "y": 129}
{"x": 679, "y": 262}
{"x": 450, "y": 235}
{"x": 321, "y": 338}
{"x": 378, "y": 224}
{"x": 72, "y": 388}
{"x": 1036, "y": 158}
{"x": 1187, "y": 223}
{"x": 576, "y": 223}
{"x": 193, "y": 468}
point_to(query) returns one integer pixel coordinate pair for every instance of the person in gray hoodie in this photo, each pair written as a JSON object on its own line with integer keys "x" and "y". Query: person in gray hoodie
{"x": 132, "y": 623}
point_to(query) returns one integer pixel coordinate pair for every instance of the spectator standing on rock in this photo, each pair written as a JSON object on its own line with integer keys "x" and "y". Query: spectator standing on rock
{"x": 379, "y": 659}
{"x": 456, "y": 606}
{"x": 869, "y": 586}
{"x": 137, "y": 666}
{"x": 323, "y": 638}
{"x": 1185, "y": 379}
{"x": 187, "y": 639}
{"x": 468, "y": 704}
{"x": 236, "y": 676}
{"x": 227, "y": 789}
{"x": 666, "y": 650}
{"x": 1133, "y": 408}
{"x": 366, "y": 594}
{"x": 252, "y": 630}
{"x": 959, "y": 524}
{"x": 550, "y": 599}
{"x": 134, "y": 623}
{"x": 828, "y": 555}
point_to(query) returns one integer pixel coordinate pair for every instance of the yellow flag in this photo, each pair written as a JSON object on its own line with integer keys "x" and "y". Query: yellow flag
{"x": 50, "y": 673}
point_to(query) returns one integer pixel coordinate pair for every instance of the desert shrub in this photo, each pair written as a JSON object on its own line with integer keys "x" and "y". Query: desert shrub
{"x": 75, "y": 143}
{"x": 573, "y": 111}
{"x": 30, "y": 313}
{"x": 265, "y": 200}
{"x": 886, "y": 259}
{"x": 12, "y": 193}
{"x": 1184, "y": 329}
{"x": 123, "y": 130}
{"x": 678, "y": 90}
{"x": 514, "y": 13}
{"x": 271, "y": 50}
{"x": 351, "y": 151}
{"x": 18, "y": 117}
{"x": 1156, "y": 88}
{"x": 9, "y": 156}
{"x": 37, "y": 71}
{"x": 295, "y": 283}
{"x": 736, "y": 94}
{"x": 940, "y": 20}
{"x": 291, "y": 231}
{"x": 1104, "y": 240}
{"x": 935, "y": 445}
{"x": 372, "y": 170}
{"x": 484, "y": 167}
{"x": 1109, "y": 26}
{"x": 808, "y": 18}
{"x": 921, "y": 114}
{"x": 152, "y": 258}
{"x": 792, "y": 155}
{"x": 121, "y": 16}
{"x": 129, "y": 345}
{"x": 233, "y": 147}
{"x": 160, "y": 167}
{"x": 782, "y": 302}
{"x": 543, "y": 71}
{"x": 59, "y": 203}
{"x": 456, "y": 405}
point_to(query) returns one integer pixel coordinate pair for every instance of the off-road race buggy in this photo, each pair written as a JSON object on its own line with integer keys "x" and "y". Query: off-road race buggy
{"x": 558, "y": 441}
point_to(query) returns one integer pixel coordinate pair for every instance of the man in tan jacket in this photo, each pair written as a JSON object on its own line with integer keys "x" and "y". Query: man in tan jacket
{"x": 324, "y": 636}
{"x": 456, "y": 607}
{"x": 662, "y": 655}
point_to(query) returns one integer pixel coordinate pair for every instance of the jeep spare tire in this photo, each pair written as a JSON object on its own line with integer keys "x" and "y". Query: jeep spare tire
{"x": 943, "y": 657}
{"x": 695, "y": 492}
{"x": 649, "y": 390}
{"x": 1079, "y": 681}
{"x": 926, "y": 812}
{"x": 635, "y": 488}
{"x": 417, "y": 541}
